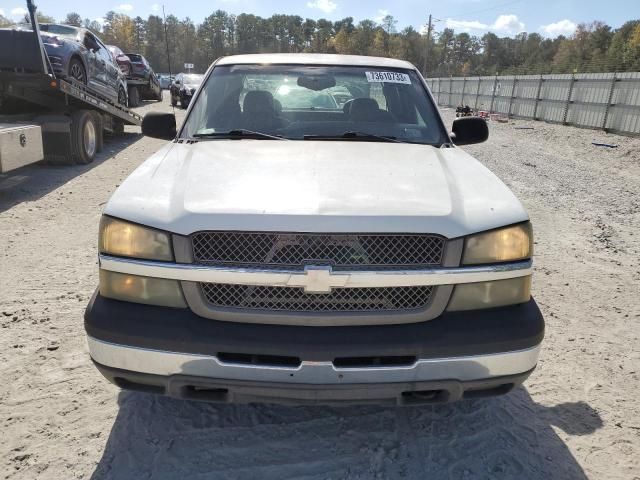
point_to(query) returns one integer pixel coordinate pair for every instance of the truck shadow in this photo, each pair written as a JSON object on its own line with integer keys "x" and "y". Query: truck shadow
{"x": 509, "y": 437}
{"x": 35, "y": 181}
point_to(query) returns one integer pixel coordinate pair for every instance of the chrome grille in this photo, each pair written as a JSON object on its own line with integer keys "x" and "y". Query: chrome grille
{"x": 294, "y": 251}
{"x": 293, "y": 299}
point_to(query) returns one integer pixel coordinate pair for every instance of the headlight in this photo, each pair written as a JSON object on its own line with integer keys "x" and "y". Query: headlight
{"x": 126, "y": 239}
{"x": 502, "y": 245}
{"x": 147, "y": 290}
{"x": 499, "y": 293}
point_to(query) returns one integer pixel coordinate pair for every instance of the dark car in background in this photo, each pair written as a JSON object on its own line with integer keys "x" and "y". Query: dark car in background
{"x": 122, "y": 60}
{"x": 77, "y": 53}
{"x": 141, "y": 71}
{"x": 183, "y": 88}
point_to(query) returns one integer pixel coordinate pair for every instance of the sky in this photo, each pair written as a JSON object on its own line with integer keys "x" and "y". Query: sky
{"x": 504, "y": 17}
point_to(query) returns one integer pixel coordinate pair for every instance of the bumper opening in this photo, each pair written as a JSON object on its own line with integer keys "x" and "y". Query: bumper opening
{"x": 489, "y": 392}
{"x": 385, "y": 361}
{"x": 257, "y": 359}
{"x": 423, "y": 397}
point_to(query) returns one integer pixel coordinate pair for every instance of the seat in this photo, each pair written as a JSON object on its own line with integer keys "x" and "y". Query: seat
{"x": 367, "y": 110}
{"x": 259, "y": 112}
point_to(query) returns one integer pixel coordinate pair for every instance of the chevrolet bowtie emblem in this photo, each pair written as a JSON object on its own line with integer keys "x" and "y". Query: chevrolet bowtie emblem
{"x": 317, "y": 279}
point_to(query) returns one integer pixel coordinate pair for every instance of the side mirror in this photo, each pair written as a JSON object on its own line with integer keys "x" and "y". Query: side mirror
{"x": 159, "y": 125}
{"x": 177, "y": 82}
{"x": 469, "y": 130}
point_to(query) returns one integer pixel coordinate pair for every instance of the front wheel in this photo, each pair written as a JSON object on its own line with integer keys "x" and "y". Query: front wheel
{"x": 134, "y": 97}
{"x": 122, "y": 97}
{"x": 174, "y": 101}
{"x": 77, "y": 71}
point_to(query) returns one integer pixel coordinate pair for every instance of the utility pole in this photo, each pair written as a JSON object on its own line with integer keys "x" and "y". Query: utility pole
{"x": 426, "y": 52}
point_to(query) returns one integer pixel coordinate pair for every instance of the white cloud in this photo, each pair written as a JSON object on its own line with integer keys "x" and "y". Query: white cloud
{"x": 18, "y": 12}
{"x": 504, "y": 24}
{"x": 2, "y": 12}
{"x": 563, "y": 27}
{"x": 508, "y": 23}
{"x": 99, "y": 20}
{"x": 125, "y": 7}
{"x": 155, "y": 7}
{"x": 327, "y": 6}
{"x": 381, "y": 14}
{"x": 466, "y": 25}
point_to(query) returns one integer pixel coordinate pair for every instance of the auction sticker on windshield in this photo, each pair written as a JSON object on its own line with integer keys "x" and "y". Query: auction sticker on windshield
{"x": 388, "y": 77}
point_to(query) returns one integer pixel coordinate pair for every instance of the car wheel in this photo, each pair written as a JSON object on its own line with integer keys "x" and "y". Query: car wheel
{"x": 134, "y": 97}
{"x": 122, "y": 97}
{"x": 160, "y": 95}
{"x": 77, "y": 71}
{"x": 84, "y": 136}
{"x": 174, "y": 101}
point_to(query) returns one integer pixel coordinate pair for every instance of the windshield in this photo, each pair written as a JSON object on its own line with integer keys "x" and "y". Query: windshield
{"x": 192, "y": 79}
{"x": 61, "y": 30}
{"x": 304, "y": 102}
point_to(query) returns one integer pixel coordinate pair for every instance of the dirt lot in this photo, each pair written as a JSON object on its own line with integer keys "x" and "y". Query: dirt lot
{"x": 578, "y": 417}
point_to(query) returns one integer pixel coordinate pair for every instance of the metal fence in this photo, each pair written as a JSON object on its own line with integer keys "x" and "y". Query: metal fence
{"x": 608, "y": 101}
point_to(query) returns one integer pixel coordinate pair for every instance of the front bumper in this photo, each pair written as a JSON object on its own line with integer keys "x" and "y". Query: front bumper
{"x": 173, "y": 351}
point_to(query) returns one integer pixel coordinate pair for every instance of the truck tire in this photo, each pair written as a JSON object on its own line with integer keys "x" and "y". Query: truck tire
{"x": 99, "y": 130}
{"x": 134, "y": 96}
{"x": 84, "y": 133}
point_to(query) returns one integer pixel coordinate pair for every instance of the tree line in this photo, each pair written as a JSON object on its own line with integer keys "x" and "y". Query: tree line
{"x": 594, "y": 47}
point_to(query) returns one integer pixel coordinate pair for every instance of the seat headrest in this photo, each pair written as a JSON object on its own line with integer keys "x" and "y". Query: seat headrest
{"x": 258, "y": 101}
{"x": 363, "y": 108}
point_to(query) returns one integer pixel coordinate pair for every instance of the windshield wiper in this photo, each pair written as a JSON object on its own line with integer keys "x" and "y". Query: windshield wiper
{"x": 356, "y": 135}
{"x": 238, "y": 133}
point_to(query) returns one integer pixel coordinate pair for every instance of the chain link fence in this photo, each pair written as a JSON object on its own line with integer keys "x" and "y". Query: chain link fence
{"x": 607, "y": 101}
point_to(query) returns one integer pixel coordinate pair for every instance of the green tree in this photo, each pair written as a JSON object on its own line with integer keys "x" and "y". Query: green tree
{"x": 74, "y": 19}
{"x": 42, "y": 18}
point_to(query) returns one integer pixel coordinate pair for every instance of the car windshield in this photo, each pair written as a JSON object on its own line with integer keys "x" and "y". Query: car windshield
{"x": 61, "y": 30}
{"x": 192, "y": 79}
{"x": 315, "y": 102}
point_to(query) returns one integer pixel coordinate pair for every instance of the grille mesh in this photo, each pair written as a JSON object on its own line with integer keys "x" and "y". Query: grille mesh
{"x": 293, "y": 251}
{"x": 294, "y": 299}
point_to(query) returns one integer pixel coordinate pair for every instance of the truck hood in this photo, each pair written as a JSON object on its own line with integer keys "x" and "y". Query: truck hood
{"x": 314, "y": 186}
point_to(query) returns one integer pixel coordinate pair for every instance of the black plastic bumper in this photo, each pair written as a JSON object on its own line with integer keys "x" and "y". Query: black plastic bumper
{"x": 452, "y": 334}
{"x": 238, "y": 391}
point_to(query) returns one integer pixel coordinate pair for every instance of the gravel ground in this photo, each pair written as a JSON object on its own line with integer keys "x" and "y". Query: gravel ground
{"x": 578, "y": 416}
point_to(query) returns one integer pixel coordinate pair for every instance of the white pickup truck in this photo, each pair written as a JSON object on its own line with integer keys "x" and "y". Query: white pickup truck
{"x": 313, "y": 234}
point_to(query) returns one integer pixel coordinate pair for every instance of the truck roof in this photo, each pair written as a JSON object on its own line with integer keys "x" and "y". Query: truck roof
{"x": 314, "y": 59}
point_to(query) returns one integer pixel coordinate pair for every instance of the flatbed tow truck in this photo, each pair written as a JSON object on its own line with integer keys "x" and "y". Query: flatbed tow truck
{"x": 43, "y": 117}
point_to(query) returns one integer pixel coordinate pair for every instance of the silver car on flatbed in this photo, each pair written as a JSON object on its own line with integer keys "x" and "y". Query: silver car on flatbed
{"x": 314, "y": 252}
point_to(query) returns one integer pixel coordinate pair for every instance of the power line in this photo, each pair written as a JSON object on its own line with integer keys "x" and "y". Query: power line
{"x": 488, "y": 9}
